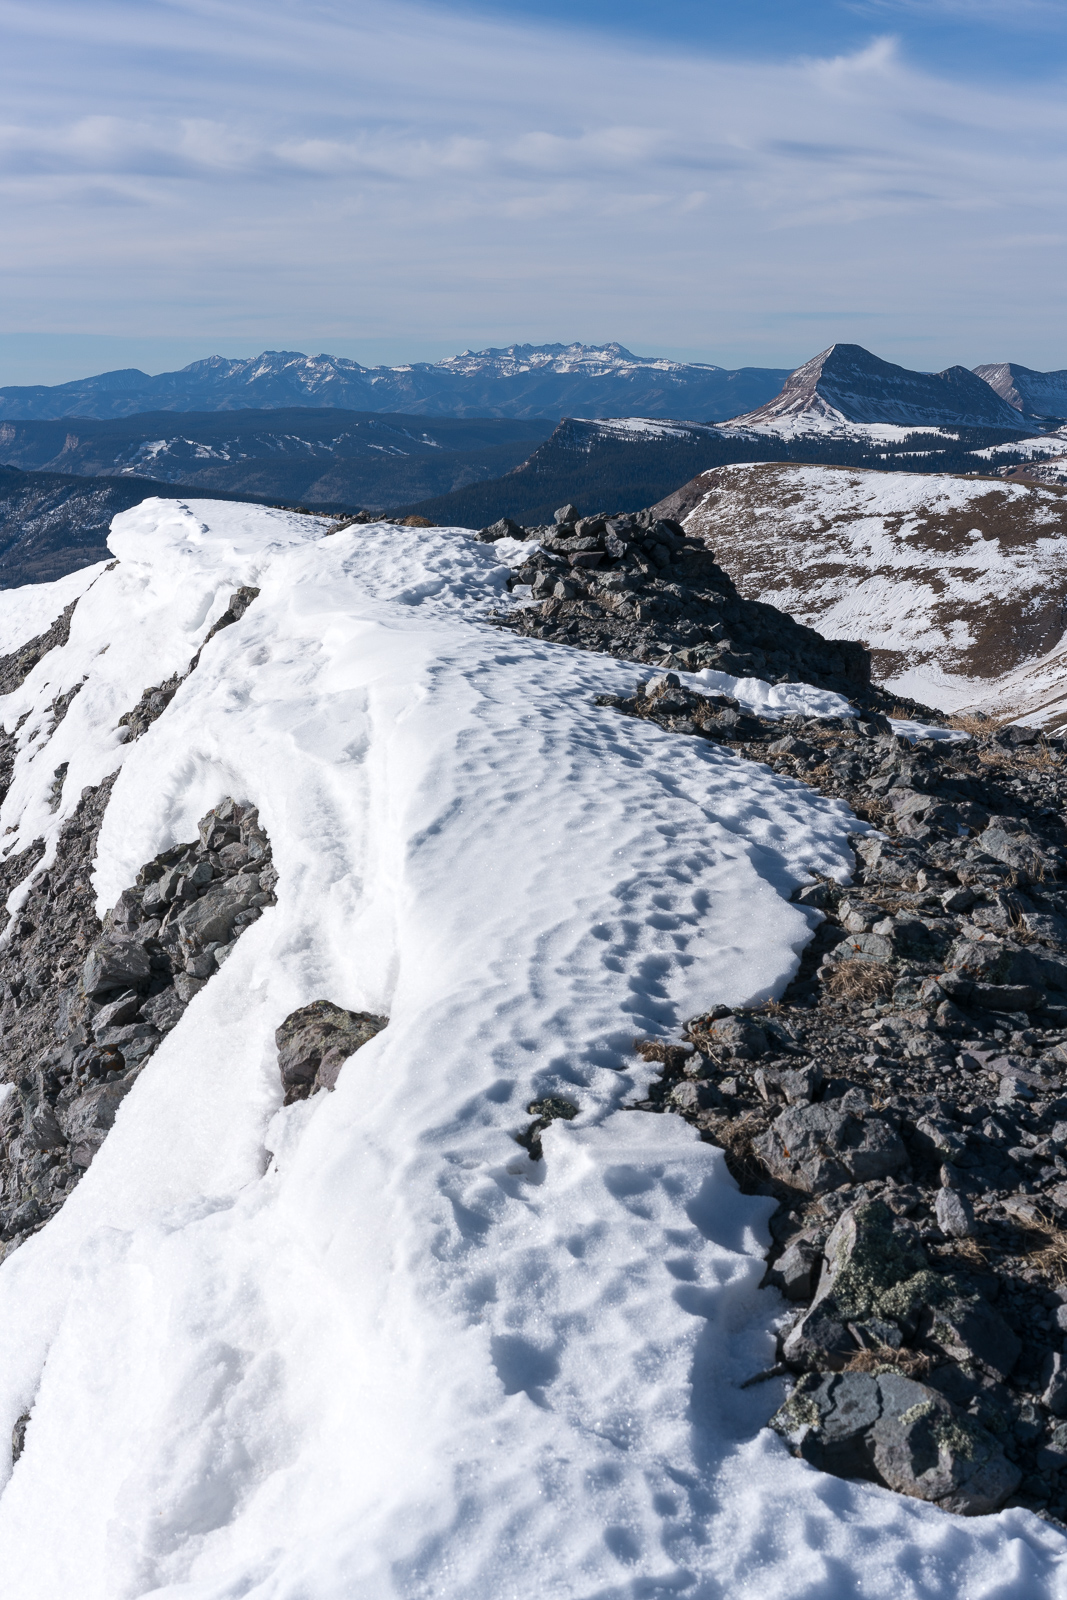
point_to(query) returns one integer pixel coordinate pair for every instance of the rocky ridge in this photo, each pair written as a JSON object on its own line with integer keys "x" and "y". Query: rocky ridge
{"x": 906, "y": 1103}
{"x": 85, "y": 1005}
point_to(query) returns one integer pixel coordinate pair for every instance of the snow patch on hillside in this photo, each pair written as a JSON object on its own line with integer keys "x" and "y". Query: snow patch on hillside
{"x": 363, "y": 1347}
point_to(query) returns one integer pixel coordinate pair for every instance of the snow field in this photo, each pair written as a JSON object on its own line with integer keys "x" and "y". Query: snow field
{"x": 362, "y": 1346}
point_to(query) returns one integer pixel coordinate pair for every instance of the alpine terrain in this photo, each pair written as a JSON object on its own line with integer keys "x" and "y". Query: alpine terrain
{"x": 956, "y": 584}
{"x": 482, "y": 1116}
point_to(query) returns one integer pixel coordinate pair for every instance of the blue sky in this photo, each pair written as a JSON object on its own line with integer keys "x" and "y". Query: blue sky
{"x": 734, "y": 183}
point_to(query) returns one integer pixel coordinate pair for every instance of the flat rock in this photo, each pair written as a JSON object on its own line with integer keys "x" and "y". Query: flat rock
{"x": 820, "y": 1147}
{"x": 891, "y": 1430}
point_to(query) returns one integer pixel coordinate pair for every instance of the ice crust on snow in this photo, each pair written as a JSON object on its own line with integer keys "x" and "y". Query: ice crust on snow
{"x": 363, "y": 1347}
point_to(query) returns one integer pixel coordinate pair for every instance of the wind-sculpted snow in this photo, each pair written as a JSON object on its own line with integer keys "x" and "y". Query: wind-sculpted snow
{"x": 363, "y": 1346}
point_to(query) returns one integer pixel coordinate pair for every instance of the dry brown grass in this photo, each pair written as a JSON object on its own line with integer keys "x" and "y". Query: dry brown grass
{"x": 1046, "y": 1249}
{"x": 672, "y": 1056}
{"x": 735, "y": 1136}
{"x": 859, "y": 980}
{"x": 912, "y": 1363}
{"x": 974, "y": 722}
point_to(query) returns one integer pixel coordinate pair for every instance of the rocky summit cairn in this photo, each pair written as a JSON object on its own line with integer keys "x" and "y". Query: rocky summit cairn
{"x": 635, "y": 585}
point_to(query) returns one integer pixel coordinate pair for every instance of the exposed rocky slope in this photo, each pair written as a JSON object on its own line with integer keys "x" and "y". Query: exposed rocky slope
{"x": 519, "y": 381}
{"x": 906, "y": 1103}
{"x": 1035, "y": 394}
{"x": 954, "y": 584}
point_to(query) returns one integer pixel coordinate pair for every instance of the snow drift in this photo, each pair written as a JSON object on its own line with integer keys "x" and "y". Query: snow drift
{"x": 363, "y": 1346}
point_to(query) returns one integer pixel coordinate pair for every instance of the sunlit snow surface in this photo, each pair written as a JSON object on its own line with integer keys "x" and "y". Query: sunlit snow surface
{"x": 363, "y": 1347}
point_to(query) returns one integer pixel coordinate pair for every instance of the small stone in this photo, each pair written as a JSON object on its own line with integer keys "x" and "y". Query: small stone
{"x": 1054, "y": 1378}
{"x": 796, "y": 1270}
{"x": 567, "y": 513}
{"x": 955, "y": 1215}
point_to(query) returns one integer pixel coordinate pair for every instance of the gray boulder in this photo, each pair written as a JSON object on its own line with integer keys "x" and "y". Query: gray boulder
{"x": 502, "y": 529}
{"x": 86, "y": 1120}
{"x": 210, "y": 919}
{"x": 820, "y": 1147}
{"x": 315, "y": 1042}
{"x": 115, "y": 963}
{"x": 891, "y": 1430}
{"x": 955, "y": 1214}
{"x": 738, "y": 1039}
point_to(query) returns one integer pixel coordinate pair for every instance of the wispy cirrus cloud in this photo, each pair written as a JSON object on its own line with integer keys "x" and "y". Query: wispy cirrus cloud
{"x": 305, "y": 174}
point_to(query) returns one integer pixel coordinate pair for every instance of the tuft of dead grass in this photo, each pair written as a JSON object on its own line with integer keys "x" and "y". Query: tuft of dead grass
{"x": 859, "y": 980}
{"x": 912, "y": 1363}
{"x": 672, "y": 1056}
{"x": 1046, "y": 1249}
{"x": 735, "y": 1137}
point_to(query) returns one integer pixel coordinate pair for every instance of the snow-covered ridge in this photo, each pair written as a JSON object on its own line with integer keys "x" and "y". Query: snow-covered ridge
{"x": 363, "y": 1346}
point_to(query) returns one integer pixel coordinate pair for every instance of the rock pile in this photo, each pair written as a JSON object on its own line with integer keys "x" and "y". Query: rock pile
{"x": 635, "y": 585}
{"x": 906, "y": 1103}
{"x": 85, "y": 1006}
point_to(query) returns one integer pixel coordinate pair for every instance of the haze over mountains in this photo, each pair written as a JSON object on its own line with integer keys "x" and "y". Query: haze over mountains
{"x": 528, "y": 381}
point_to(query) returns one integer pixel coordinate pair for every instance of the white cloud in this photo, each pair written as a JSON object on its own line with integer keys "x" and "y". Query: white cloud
{"x": 317, "y": 170}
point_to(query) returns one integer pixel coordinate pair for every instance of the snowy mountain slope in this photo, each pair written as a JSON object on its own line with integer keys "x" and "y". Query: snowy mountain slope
{"x": 625, "y": 463}
{"x": 951, "y": 582}
{"x": 362, "y": 1346}
{"x": 1035, "y": 394}
{"x": 847, "y": 385}
{"x": 519, "y": 381}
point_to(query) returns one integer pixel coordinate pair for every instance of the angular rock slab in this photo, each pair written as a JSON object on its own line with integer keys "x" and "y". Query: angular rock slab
{"x": 820, "y": 1147}
{"x": 891, "y": 1430}
{"x": 315, "y": 1042}
{"x": 865, "y": 1259}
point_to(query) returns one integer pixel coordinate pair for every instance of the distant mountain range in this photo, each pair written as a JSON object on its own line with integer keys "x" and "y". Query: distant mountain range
{"x": 523, "y": 381}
